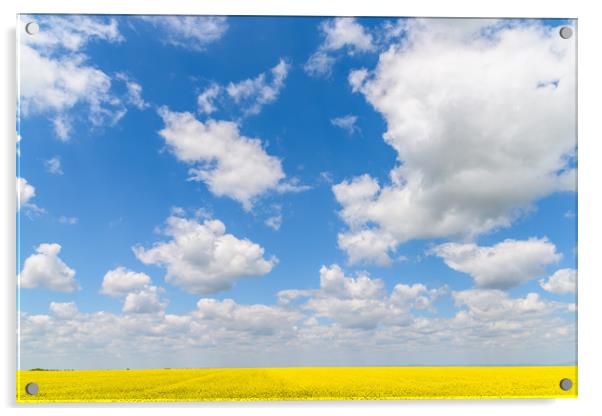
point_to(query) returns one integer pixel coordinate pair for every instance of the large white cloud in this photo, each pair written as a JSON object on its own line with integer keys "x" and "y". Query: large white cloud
{"x": 189, "y": 32}
{"x": 46, "y": 269}
{"x": 203, "y": 258}
{"x": 502, "y": 266}
{"x": 338, "y": 33}
{"x": 482, "y": 118}
{"x": 54, "y": 74}
{"x": 561, "y": 282}
{"x": 229, "y": 163}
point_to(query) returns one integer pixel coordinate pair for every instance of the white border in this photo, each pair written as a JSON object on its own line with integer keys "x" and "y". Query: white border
{"x": 590, "y": 176}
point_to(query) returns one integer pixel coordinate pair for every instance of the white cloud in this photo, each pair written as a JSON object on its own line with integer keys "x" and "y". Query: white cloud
{"x": 189, "y": 32}
{"x": 255, "y": 319}
{"x": 254, "y": 93}
{"x": 134, "y": 91}
{"x": 319, "y": 64}
{"x": 248, "y": 95}
{"x": 64, "y": 310}
{"x": 136, "y": 288}
{"x": 345, "y": 321}
{"x": 62, "y": 127}
{"x": 206, "y": 99}
{"x": 347, "y": 123}
{"x": 55, "y": 85}
{"x": 120, "y": 281}
{"x": 339, "y": 33}
{"x": 356, "y": 78}
{"x": 145, "y": 300}
{"x": 496, "y": 306}
{"x": 416, "y": 296}
{"x": 53, "y": 165}
{"x": 368, "y": 246}
{"x": 229, "y": 163}
{"x": 25, "y": 191}
{"x": 344, "y": 32}
{"x": 70, "y": 33}
{"x": 561, "y": 282}
{"x": 502, "y": 266}
{"x": 202, "y": 258}
{"x": 274, "y": 222}
{"x": 54, "y": 74}
{"x": 360, "y": 302}
{"x": 468, "y": 164}
{"x": 68, "y": 220}
{"x": 46, "y": 269}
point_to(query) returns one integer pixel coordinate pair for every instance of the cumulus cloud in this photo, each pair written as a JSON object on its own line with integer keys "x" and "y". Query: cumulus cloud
{"x": 145, "y": 300}
{"x": 347, "y": 123}
{"x": 345, "y": 319}
{"x": 481, "y": 115}
{"x": 54, "y": 74}
{"x": 502, "y": 266}
{"x": 254, "y": 319}
{"x": 368, "y": 246}
{"x": 189, "y": 32}
{"x": 561, "y": 282}
{"x": 120, "y": 281}
{"x": 497, "y": 306}
{"x": 229, "y": 163}
{"x": 139, "y": 295}
{"x": 203, "y": 258}
{"x": 46, "y": 269}
{"x": 361, "y": 302}
{"x": 341, "y": 33}
{"x": 53, "y": 165}
{"x": 64, "y": 310}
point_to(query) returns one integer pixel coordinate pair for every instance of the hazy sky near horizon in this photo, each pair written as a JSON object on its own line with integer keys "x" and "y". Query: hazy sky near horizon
{"x": 283, "y": 191}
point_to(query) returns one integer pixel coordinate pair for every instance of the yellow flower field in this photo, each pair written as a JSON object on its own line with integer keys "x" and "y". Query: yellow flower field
{"x": 322, "y": 383}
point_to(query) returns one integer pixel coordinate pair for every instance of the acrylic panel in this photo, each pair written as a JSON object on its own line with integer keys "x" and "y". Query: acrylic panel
{"x": 226, "y": 208}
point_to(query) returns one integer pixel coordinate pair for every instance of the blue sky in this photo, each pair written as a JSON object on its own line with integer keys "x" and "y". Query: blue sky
{"x": 398, "y": 166}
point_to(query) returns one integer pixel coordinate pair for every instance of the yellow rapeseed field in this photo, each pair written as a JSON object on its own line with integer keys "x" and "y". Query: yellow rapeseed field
{"x": 319, "y": 383}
